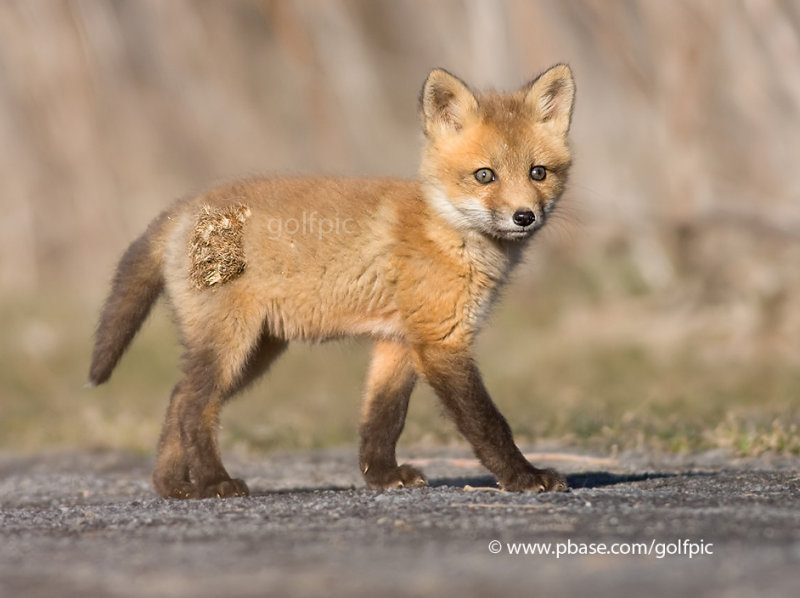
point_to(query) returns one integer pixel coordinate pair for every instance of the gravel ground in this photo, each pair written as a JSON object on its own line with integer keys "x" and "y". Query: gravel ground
{"x": 88, "y": 524}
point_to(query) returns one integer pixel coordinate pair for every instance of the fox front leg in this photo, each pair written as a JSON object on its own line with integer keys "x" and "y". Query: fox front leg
{"x": 390, "y": 382}
{"x": 454, "y": 376}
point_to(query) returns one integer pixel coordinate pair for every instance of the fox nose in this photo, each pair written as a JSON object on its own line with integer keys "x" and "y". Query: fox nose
{"x": 524, "y": 217}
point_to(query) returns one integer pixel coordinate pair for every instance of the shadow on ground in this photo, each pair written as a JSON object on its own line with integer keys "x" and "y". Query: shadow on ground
{"x": 587, "y": 480}
{"x": 590, "y": 479}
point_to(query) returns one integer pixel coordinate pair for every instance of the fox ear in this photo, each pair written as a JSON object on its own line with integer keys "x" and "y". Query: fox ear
{"x": 551, "y": 95}
{"x": 445, "y": 103}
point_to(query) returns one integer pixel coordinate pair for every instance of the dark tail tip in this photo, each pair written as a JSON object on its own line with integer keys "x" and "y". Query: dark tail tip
{"x": 104, "y": 359}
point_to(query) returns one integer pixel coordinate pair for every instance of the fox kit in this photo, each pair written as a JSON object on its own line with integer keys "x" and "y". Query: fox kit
{"x": 415, "y": 265}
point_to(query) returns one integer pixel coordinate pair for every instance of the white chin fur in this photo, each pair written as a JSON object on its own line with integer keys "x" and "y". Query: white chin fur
{"x": 468, "y": 214}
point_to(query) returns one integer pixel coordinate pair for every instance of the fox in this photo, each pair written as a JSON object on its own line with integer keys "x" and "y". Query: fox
{"x": 413, "y": 265}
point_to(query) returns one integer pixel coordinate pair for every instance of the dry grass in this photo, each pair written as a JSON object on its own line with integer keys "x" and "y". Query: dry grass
{"x": 563, "y": 366}
{"x": 216, "y": 251}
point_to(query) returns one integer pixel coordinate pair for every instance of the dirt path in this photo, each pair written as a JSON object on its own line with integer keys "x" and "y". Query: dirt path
{"x": 88, "y": 524}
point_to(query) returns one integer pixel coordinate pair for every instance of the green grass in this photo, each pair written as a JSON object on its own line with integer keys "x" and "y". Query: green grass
{"x": 576, "y": 360}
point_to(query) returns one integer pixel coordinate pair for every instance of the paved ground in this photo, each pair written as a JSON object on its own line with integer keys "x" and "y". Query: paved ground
{"x": 89, "y": 525}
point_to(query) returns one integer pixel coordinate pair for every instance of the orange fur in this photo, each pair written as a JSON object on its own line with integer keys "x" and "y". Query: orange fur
{"x": 416, "y": 265}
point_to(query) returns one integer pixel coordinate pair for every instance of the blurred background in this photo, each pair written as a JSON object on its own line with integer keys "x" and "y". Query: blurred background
{"x": 661, "y": 311}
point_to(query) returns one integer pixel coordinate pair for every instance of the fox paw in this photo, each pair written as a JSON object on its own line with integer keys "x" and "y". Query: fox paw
{"x": 537, "y": 480}
{"x": 403, "y": 476}
{"x": 226, "y": 489}
{"x": 186, "y": 490}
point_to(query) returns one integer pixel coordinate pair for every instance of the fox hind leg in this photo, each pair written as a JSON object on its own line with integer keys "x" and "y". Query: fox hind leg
{"x": 189, "y": 464}
{"x": 390, "y": 382}
{"x": 171, "y": 474}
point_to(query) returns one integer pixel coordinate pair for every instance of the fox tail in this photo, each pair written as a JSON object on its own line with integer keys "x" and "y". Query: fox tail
{"x": 137, "y": 283}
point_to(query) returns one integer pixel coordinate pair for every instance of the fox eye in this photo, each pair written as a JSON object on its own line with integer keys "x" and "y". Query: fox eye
{"x": 484, "y": 175}
{"x": 538, "y": 173}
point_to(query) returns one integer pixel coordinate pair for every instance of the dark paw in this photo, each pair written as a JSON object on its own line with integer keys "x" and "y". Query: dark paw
{"x": 537, "y": 480}
{"x": 182, "y": 490}
{"x": 403, "y": 476}
{"x": 186, "y": 490}
{"x": 226, "y": 489}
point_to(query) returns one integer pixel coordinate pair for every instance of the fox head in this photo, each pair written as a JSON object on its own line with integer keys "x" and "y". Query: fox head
{"x": 496, "y": 163}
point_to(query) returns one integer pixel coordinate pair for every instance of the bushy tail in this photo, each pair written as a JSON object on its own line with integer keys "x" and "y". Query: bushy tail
{"x": 137, "y": 283}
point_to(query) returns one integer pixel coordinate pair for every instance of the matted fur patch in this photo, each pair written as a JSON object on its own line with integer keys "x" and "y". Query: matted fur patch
{"x": 216, "y": 248}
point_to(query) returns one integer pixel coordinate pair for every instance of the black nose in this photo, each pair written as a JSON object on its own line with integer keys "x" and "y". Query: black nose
{"x": 524, "y": 217}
